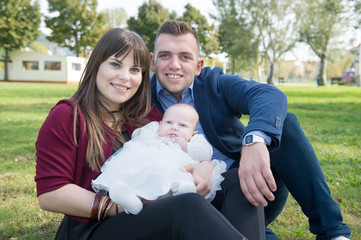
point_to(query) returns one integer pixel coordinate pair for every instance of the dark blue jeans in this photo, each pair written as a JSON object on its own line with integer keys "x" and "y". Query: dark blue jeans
{"x": 297, "y": 170}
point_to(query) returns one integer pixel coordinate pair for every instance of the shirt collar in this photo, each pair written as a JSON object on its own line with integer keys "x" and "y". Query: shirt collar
{"x": 160, "y": 89}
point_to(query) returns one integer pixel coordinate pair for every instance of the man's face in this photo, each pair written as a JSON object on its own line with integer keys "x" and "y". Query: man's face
{"x": 175, "y": 62}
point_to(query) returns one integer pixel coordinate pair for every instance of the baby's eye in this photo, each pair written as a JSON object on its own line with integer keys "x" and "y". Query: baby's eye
{"x": 182, "y": 125}
{"x": 169, "y": 122}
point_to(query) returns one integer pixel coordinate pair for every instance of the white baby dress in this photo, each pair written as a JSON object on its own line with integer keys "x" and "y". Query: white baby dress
{"x": 151, "y": 168}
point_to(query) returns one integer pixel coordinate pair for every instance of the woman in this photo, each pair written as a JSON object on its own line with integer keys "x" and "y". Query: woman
{"x": 80, "y": 133}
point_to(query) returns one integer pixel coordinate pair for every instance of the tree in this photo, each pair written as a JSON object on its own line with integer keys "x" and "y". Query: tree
{"x": 268, "y": 27}
{"x": 150, "y": 16}
{"x": 321, "y": 23}
{"x": 19, "y": 24}
{"x": 358, "y": 13}
{"x": 116, "y": 17}
{"x": 236, "y": 35}
{"x": 77, "y": 25}
{"x": 39, "y": 47}
{"x": 206, "y": 33}
{"x": 277, "y": 27}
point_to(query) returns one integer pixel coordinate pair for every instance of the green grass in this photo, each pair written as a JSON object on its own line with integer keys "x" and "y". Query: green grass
{"x": 330, "y": 117}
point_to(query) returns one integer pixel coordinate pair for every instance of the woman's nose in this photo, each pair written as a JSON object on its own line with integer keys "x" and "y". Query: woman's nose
{"x": 123, "y": 75}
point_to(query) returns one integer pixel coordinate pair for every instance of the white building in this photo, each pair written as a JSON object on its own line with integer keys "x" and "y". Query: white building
{"x": 40, "y": 67}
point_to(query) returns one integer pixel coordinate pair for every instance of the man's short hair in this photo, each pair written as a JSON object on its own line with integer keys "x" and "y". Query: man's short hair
{"x": 176, "y": 28}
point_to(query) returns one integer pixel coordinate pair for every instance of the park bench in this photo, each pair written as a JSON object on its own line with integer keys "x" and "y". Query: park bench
{"x": 335, "y": 80}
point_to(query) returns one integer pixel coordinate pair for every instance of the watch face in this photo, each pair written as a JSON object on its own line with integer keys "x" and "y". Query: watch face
{"x": 249, "y": 139}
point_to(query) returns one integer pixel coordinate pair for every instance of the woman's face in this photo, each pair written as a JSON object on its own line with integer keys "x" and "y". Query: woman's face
{"x": 118, "y": 79}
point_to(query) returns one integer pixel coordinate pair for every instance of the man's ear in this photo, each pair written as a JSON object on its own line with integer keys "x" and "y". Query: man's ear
{"x": 195, "y": 132}
{"x": 200, "y": 63}
{"x": 152, "y": 59}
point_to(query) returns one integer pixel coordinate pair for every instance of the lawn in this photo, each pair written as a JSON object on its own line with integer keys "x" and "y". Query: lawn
{"x": 330, "y": 117}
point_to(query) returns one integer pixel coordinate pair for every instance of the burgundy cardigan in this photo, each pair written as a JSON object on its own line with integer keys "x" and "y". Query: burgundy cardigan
{"x": 58, "y": 161}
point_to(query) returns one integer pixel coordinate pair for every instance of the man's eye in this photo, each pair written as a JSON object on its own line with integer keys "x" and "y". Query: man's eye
{"x": 185, "y": 57}
{"x": 163, "y": 55}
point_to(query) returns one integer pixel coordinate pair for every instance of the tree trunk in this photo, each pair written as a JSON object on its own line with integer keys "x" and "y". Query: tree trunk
{"x": 322, "y": 72}
{"x": 233, "y": 67}
{"x": 6, "y": 61}
{"x": 270, "y": 76}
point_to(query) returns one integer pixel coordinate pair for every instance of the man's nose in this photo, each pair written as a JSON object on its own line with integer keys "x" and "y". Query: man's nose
{"x": 174, "y": 63}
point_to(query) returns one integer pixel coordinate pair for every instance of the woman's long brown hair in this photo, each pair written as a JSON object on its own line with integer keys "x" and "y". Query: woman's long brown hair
{"x": 118, "y": 42}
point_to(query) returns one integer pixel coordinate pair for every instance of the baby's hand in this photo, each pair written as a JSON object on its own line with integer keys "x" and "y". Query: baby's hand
{"x": 181, "y": 142}
{"x": 164, "y": 139}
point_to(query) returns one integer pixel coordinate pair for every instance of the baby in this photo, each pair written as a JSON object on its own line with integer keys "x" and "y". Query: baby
{"x": 151, "y": 164}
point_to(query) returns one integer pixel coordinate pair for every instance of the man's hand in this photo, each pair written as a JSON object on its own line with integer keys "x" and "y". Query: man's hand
{"x": 255, "y": 174}
{"x": 202, "y": 174}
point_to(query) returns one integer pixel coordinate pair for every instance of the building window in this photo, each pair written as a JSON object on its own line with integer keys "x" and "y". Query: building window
{"x": 52, "y": 65}
{"x": 30, "y": 65}
{"x": 76, "y": 66}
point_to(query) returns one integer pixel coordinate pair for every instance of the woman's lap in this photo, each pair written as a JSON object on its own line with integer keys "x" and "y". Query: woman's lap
{"x": 186, "y": 216}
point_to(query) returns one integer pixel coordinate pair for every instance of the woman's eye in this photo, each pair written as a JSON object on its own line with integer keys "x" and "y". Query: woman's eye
{"x": 114, "y": 64}
{"x": 136, "y": 70}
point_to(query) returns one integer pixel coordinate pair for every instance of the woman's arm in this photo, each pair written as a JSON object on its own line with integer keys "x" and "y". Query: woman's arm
{"x": 70, "y": 200}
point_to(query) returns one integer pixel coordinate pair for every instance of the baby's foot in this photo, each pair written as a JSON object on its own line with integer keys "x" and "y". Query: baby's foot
{"x": 185, "y": 187}
{"x": 120, "y": 194}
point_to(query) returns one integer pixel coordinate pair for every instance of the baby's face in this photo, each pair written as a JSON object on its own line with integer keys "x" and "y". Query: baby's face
{"x": 178, "y": 122}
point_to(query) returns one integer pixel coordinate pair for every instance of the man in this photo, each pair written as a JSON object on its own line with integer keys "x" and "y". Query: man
{"x": 272, "y": 152}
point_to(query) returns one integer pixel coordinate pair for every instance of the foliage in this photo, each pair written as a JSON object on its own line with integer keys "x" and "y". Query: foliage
{"x": 235, "y": 34}
{"x": 206, "y": 33}
{"x": 358, "y": 13}
{"x": 150, "y": 16}
{"x": 39, "y": 47}
{"x": 115, "y": 17}
{"x": 339, "y": 63}
{"x": 322, "y": 21}
{"x": 19, "y": 23}
{"x": 330, "y": 117}
{"x": 266, "y": 26}
{"x": 75, "y": 24}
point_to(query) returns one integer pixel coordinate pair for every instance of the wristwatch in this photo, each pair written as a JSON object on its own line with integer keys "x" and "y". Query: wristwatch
{"x": 252, "y": 139}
